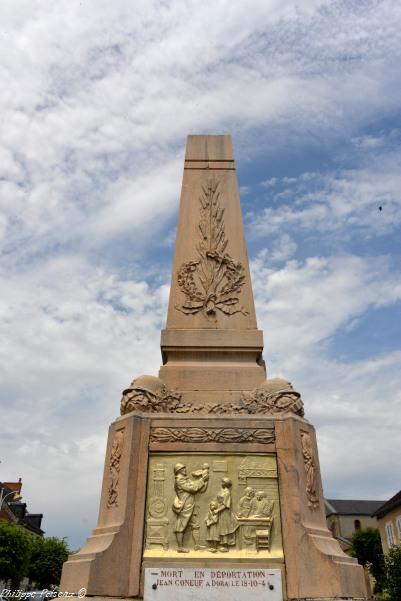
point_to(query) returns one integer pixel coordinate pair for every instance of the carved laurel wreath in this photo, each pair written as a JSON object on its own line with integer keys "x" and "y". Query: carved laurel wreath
{"x": 213, "y": 281}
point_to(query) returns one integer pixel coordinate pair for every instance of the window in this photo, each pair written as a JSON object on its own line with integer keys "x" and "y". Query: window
{"x": 357, "y": 524}
{"x": 399, "y": 527}
{"x": 390, "y": 534}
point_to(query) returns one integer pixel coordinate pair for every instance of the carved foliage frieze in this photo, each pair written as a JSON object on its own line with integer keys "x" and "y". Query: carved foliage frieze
{"x": 148, "y": 394}
{"x": 261, "y": 435}
{"x": 212, "y": 281}
{"x": 114, "y": 468}
{"x": 310, "y": 470}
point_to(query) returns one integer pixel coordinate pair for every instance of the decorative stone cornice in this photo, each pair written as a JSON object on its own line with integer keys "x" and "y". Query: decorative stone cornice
{"x": 148, "y": 394}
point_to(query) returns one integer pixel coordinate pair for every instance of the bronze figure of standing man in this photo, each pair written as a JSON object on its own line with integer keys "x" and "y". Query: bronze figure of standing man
{"x": 184, "y": 504}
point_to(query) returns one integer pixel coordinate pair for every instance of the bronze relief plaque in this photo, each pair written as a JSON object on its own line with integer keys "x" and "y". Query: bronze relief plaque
{"x": 213, "y": 505}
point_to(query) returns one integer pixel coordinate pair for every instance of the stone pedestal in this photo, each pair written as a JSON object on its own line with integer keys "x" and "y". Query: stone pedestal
{"x": 112, "y": 561}
{"x": 210, "y": 464}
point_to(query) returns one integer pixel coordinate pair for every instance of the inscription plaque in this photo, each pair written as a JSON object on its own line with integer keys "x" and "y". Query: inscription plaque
{"x": 212, "y": 584}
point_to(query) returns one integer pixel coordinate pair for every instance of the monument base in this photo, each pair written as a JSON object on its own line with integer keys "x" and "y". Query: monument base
{"x": 267, "y": 466}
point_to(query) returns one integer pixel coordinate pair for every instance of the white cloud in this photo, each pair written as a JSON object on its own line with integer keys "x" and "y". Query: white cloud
{"x": 354, "y": 404}
{"x": 302, "y": 304}
{"x": 339, "y": 202}
{"x": 73, "y": 336}
{"x": 96, "y": 100}
{"x": 269, "y": 183}
{"x": 282, "y": 249}
{"x": 89, "y": 103}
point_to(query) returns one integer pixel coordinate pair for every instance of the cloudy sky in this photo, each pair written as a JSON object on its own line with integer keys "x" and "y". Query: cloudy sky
{"x": 97, "y": 98}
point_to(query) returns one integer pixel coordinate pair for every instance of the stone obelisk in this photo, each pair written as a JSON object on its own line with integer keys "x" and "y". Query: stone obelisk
{"x": 210, "y": 463}
{"x": 211, "y": 347}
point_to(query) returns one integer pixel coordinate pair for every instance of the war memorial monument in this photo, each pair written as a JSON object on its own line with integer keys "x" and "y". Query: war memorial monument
{"x": 211, "y": 486}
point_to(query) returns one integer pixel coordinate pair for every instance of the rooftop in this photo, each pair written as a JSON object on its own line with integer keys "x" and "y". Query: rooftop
{"x": 351, "y": 507}
{"x": 13, "y": 510}
{"x": 388, "y": 505}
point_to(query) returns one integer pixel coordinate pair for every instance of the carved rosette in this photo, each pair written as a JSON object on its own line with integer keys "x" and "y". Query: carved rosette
{"x": 310, "y": 470}
{"x": 114, "y": 468}
{"x": 261, "y": 435}
{"x": 213, "y": 281}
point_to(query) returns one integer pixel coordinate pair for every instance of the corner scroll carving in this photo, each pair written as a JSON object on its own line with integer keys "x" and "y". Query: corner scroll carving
{"x": 310, "y": 470}
{"x": 148, "y": 394}
{"x": 213, "y": 281}
{"x": 114, "y": 468}
{"x": 273, "y": 396}
{"x": 261, "y": 435}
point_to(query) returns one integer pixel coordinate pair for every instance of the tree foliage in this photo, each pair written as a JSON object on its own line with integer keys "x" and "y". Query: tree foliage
{"x": 15, "y": 552}
{"x": 393, "y": 573}
{"x": 23, "y": 554}
{"x": 48, "y": 556}
{"x": 367, "y": 548}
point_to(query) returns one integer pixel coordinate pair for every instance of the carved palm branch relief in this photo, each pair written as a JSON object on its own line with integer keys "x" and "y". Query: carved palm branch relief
{"x": 214, "y": 280}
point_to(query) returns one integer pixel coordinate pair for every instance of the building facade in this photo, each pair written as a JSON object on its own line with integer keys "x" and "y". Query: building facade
{"x": 344, "y": 517}
{"x": 14, "y": 511}
{"x": 388, "y": 517}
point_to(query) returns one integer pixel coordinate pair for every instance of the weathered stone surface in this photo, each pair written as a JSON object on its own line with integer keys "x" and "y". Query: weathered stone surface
{"x": 212, "y": 584}
{"x": 212, "y": 412}
{"x": 211, "y": 342}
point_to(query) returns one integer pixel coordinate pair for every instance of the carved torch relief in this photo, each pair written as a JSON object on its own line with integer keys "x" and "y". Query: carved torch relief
{"x": 310, "y": 470}
{"x": 212, "y": 281}
{"x": 114, "y": 468}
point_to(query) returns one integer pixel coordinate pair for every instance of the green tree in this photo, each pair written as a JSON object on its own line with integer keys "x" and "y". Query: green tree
{"x": 15, "y": 552}
{"x": 48, "y": 556}
{"x": 367, "y": 548}
{"x": 393, "y": 573}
